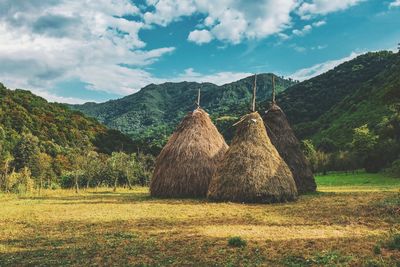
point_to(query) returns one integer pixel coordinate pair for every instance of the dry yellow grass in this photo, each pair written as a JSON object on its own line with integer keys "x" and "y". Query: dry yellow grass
{"x": 130, "y": 228}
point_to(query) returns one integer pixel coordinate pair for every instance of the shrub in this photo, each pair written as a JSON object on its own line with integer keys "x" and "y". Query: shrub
{"x": 237, "y": 241}
{"x": 395, "y": 168}
{"x": 377, "y": 249}
{"x": 20, "y": 182}
{"x": 374, "y": 263}
{"x": 394, "y": 242}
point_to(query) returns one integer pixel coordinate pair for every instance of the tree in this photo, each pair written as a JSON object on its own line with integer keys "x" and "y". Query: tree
{"x": 118, "y": 164}
{"x": 25, "y": 153}
{"x": 327, "y": 145}
{"x": 5, "y": 161}
{"x": 77, "y": 167}
{"x": 363, "y": 143}
{"x": 309, "y": 151}
{"x": 44, "y": 169}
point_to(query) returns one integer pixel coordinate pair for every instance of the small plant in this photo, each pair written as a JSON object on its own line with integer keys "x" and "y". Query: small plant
{"x": 394, "y": 242}
{"x": 296, "y": 261}
{"x": 374, "y": 263}
{"x": 377, "y": 249}
{"x": 237, "y": 242}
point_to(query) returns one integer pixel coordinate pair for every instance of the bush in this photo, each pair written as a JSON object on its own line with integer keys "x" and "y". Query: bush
{"x": 394, "y": 242}
{"x": 237, "y": 241}
{"x": 67, "y": 181}
{"x": 377, "y": 249}
{"x": 395, "y": 168}
{"x": 20, "y": 182}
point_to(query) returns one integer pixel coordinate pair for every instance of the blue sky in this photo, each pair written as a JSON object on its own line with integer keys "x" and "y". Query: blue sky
{"x": 81, "y": 50}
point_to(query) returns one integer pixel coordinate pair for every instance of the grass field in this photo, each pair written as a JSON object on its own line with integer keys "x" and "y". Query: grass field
{"x": 351, "y": 221}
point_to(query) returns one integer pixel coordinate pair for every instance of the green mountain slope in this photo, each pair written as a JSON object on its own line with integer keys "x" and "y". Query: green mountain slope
{"x": 355, "y": 93}
{"x": 167, "y": 103}
{"x": 56, "y": 127}
{"x": 360, "y": 91}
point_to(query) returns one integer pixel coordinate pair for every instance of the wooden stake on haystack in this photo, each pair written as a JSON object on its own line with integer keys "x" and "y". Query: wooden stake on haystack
{"x": 253, "y": 104}
{"x": 198, "y": 98}
{"x": 273, "y": 89}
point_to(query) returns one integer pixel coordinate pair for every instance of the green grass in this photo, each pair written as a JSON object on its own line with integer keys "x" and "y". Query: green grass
{"x": 335, "y": 227}
{"x": 357, "y": 181}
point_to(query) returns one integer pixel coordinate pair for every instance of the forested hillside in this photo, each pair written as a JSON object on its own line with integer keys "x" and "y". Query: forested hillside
{"x": 151, "y": 115}
{"x": 358, "y": 97}
{"x": 355, "y": 93}
{"x": 351, "y": 114}
{"x": 46, "y": 142}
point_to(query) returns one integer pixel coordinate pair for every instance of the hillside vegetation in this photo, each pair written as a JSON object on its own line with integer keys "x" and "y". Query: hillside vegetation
{"x": 48, "y": 145}
{"x": 349, "y": 116}
{"x": 150, "y": 115}
{"x": 357, "y": 92}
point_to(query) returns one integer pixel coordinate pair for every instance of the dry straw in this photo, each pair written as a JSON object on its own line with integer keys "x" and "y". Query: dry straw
{"x": 252, "y": 170}
{"x": 283, "y": 138}
{"x": 188, "y": 161}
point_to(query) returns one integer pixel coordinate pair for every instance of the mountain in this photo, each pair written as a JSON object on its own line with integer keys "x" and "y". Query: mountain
{"x": 55, "y": 126}
{"x": 331, "y": 105}
{"x": 151, "y": 114}
{"x": 167, "y": 103}
{"x": 355, "y": 93}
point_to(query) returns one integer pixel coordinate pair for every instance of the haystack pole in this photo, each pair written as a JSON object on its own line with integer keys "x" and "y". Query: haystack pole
{"x": 252, "y": 170}
{"x": 189, "y": 159}
{"x": 253, "y": 101}
{"x": 198, "y": 98}
{"x": 284, "y": 139}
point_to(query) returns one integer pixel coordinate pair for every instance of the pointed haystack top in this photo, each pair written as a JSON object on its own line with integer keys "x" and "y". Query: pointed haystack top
{"x": 283, "y": 138}
{"x": 188, "y": 161}
{"x": 252, "y": 170}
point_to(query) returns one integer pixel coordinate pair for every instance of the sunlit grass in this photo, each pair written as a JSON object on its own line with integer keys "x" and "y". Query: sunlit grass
{"x": 339, "y": 225}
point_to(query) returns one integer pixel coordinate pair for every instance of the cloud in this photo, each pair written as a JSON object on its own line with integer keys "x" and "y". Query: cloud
{"x": 229, "y": 21}
{"x": 200, "y": 36}
{"x": 48, "y": 41}
{"x": 394, "y": 4}
{"x": 307, "y": 73}
{"x": 218, "y": 78}
{"x": 306, "y": 29}
{"x": 323, "y": 7}
{"x": 43, "y": 43}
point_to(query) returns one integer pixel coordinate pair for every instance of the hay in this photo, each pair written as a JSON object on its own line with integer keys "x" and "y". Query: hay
{"x": 288, "y": 146}
{"x": 252, "y": 170}
{"x": 187, "y": 162}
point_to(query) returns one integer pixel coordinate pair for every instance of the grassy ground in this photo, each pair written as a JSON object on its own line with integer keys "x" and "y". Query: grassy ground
{"x": 349, "y": 222}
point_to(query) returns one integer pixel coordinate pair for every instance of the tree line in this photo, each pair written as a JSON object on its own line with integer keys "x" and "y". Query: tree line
{"x": 374, "y": 150}
{"x": 26, "y": 167}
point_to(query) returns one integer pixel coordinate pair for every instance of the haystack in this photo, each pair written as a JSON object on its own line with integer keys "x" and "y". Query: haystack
{"x": 283, "y": 138}
{"x": 188, "y": 161}
{"x": 252, "y": 170}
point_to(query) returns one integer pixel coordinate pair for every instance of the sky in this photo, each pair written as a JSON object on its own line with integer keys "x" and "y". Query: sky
{"x": 75, "y": 51}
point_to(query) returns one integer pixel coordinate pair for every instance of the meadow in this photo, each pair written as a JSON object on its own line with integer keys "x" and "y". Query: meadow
{"x": 353, "y": 220}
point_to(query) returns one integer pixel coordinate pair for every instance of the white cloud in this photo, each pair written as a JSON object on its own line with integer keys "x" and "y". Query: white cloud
{"x": 48, "y": 41}
{"x": 394, "y": 4}
{"x": 318, "y": 69}
{"x": 200, "y": 36}
{"x": 230, "y": 21}
{"x": 319, "y": 23}
{"x": 306, "y": 29}
{"x": 323, "y": 7}
{"x": 218, "y": 78}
